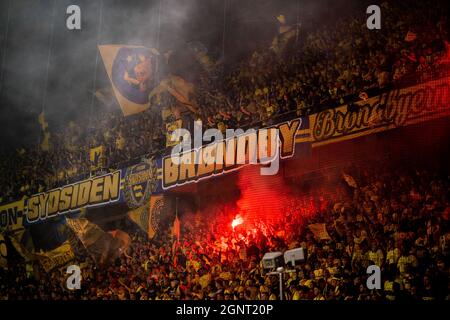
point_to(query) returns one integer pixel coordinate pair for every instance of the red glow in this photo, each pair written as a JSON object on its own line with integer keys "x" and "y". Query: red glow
{"x": 266, "y": 206}
{"x": 262, "y": 199}
{"x": 237, "y": 221}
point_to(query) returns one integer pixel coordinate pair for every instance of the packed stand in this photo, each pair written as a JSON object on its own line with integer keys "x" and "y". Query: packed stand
{"x": 395, "y": 219}
{"x": 333, "y": 65}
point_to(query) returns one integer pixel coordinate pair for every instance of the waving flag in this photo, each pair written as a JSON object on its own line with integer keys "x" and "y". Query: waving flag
{"x": 97, "y": 158}
{"x": 132, "y": 71}
{"x": 57, "y": 257}
{"x": 319, "y": 231}
{"x": 285, "y": 34}
{"x": 182, "y": 90}
{"x": 170, "y": 128}
{"x": 201, "y": 55}
{"x": 176, "y": 228}
{"x": 148, "y": 216}
{"x": 410, "y": 36}
{"x": 98, "y": 243}
{"x": 45, "y": 133}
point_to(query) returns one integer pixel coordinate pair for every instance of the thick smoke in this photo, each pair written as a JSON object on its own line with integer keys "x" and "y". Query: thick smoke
{"x": 262, "y": 198}
{"x": 232, "y": 28}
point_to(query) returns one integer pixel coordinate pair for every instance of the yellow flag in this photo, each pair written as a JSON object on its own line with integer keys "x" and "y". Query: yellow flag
{"x": 57, "y": 257}
{"x": 97, "y": 158}
{"x": 170, "y": 128}
{"x": 12, "y": 217}
{"x": 147, "y": 216}
{"x": 132, "y": 72}
{"x": 42, "y": 121}
{"x": 320, "y": 231}
{"x": 140, "y": 216}
{"x": 155, "y": 211}
{"x": 281, "y": 19}
{"x": 45, "y": 139}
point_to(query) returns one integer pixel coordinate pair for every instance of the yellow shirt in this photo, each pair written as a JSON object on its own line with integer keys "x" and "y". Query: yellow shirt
{"x": 376, "y": 257}
{"x": 402, "y": 263}
{"x": 392, "y": 256}
{"x": 204, "y": 280}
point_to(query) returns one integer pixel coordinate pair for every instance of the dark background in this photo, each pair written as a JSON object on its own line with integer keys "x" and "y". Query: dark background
{"x": 34, "y": 43}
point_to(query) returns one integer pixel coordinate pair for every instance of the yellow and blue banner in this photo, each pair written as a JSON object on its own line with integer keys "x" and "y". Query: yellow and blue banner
{"x": 132, "y": 71}
{"x": 148, "y": 216}
{"x": 57, "y": 257}
{"x": 136, "y": 185}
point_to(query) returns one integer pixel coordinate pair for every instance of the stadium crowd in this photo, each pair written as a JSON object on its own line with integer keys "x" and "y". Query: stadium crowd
{"x": 333, "y": 65}
{"x": 395, "y": 218}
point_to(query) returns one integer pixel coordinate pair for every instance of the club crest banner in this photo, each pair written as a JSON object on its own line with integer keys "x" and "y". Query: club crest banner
{"x": 132, "y": 72}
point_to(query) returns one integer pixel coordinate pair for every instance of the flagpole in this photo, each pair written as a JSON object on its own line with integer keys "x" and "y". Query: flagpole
{"x": 99, "y": 31}
{"x": 5, "y": 48}
{"x": 297, "y": 26}
{"x": 158, "y": 45}
{"x": 49, "y": 55}
{"x": 224, "y": 28}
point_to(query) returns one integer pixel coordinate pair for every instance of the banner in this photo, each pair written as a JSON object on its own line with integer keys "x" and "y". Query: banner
{"x": 231, "y": 154}
{"x": 12, "y": 217}
{"x": 137, "y": 184}
{"x": 148, "y": 216}
{"x": 140, "y": 182}
{"x": 387, "y": 111}
{"x": 303, "y": 137}
{"x": 97, "y": 158}
{"x": 140, "y": 217}
{"x": 319, "y": 231}
{"x": 57, "y": 257}
{"x": 3, "y": 252}
{"x": 95, "y": 191}
{"x": 132, "y": 71}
